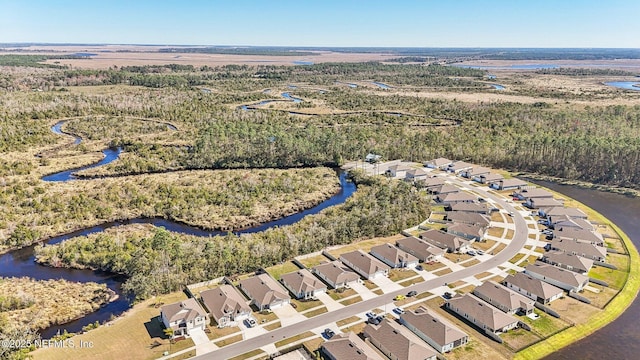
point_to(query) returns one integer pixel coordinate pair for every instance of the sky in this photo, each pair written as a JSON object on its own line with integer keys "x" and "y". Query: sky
{"x": 337, "y": 23}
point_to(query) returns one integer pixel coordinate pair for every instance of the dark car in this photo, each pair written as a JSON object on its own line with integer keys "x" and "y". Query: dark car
{"x": 412, "y": 293}
{"x": 328, "y": 333}
{"x": 447, "y": 295}
{"x": 373, "y": 321}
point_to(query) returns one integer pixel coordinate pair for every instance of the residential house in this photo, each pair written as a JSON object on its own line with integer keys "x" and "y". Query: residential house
{"x": 302, "y": 284}
{"x": 587, "y": 250}
{"x": 443, "y": 189}
{"x": 348, "y": 347}
{"x": 264, "y": 292}
{"x": 466, "y": 217}
{"x": 533, "y": 288}
{"x": 535, "y": 193}
{"x": 483, "y": 315}
{"x": 437, "y": 332}
{"x": 542, "y": 204}
{"x": 393, "y": 256}
{"x": 579, "y": 235}
{"x": 416, "y": 175}
{"x": 467, "y": 231}
{"x": 226, "y": 305}
{"x": 431, "y": 182}
{"x": 458, "y": 166}
{"x": 568, "y": 211}
{"x": 438, "y": 163}
{"x": 509, "y": 184}
{"x": 475, "y": 171}
{"x": 565, "y": 221}
{"x": 490, "y": 178}
{"x": 183, "y": 317}
{"x": 470, "y": 207}
{"x": 457, "y": 197}
{"x": 448, "y": 242}
{"x": 396, "y": 342}
{"x": 568, "y": 261}
{"x": 399, "y": 171}
{"x": 364, "y": 264}
{"x": 336, "y": 274}
{"x": 562, "y": 278}
{"x": 504, "y": 299}
{"x": 423, "y": 250}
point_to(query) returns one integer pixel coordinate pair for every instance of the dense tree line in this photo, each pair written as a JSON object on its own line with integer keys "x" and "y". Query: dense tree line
{"x": 163, "y": 262}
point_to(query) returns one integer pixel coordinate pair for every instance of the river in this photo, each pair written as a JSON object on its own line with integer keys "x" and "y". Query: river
{"x": 627, "y": 85}
{"x": 621, "y": 338}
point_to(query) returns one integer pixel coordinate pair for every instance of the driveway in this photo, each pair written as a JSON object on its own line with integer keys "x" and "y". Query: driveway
{"x": 288, "y": 315}
{"x": 385, "y": 284}
{"x": 328, "y": 301}
{"x": 362, "y": 290}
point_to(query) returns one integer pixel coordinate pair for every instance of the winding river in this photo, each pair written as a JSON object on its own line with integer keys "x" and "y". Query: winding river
{"x": 627, "y": 85}
{"x": 21, "y": 262}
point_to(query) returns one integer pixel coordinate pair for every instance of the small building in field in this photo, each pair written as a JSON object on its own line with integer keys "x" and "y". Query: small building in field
{"x": 265, "y": 293}
{"x": 393, "y": 256}
{"x": 399, "y": 171}
{"x": 183, "y": 317}
{"x": 364, "y": 264}
{"x": 348, "y": 347}
{"x": 226, "y": 305}
{"x": 568, "y": 261}
{"x": 482, "y": 314}
{"x": 336, "y": 274}
{"x": 504, "y": 299}
{"x": 395, "y": 342}
{"x": 533, "y": 288}
{"x": 302, "y": 284}
{"x": 423, "y": 250}
{"x": 437, "y": 332}
{"x": 562, "y": 278}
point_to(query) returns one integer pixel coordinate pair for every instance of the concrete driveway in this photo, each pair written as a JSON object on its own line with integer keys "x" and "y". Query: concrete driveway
{"x": 288, "y": 315}
{"x": 362, "y": 290}
{"x": 328, "y": 301}
{"x": 385, "y": 284}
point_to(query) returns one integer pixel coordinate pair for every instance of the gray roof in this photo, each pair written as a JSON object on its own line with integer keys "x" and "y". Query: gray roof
{"x": 417, "y": 172}
{"x": 572, "y": 246}
{"x": 548, "y": 271}
{"x": 434, "y": 327}
{"x": 491, "y": 177}
{"x": 349, "y": 347}
{"x": 223, "y": 301}
{"x": 543, "y": 203}
{"x": 445, "y": 189}
{"x": 535, "y": 286}
{"x": 433, "y": 181}
{"x": 479, "y": 170}
{"x": 511, "y": 182}
{"x": 535, "y": 193}
{"x": 439, "y": 162}
{"x": 503, "y": 296}
{"x": 185, "y": 310}
{"x": 365, "y": 262}
{"x": 264, "y": 289}
{"x": 568, "y": 221}
{"x": 569, "y": 211}
{"x": 336, "y": 272}
{"x": 468, "y": 217}
{"x": 396, "y": 342}
{"x": 573, "y": 233}
{"x": 460, "y": 165}
{"x": 392, "y": 253}
{"x": 421, "y": 248}
{"x": 443, "y": 240}
{"x": 482, "y": 311}
{"x": 471, "y": 230}
{"x": 460, "y": 196}
{"x": 564, "y": 258}
{"x": 302, "y": 281}
{"x": 469, "y": 207}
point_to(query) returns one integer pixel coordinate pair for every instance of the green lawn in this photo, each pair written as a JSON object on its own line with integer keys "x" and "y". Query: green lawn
{"x": 615, "y": 278}
{"x": 545, "y": 325}
{"x": 277, "y": 271}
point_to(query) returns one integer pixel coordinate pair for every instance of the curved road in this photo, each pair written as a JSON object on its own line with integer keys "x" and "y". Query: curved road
{"x": 519, "y": 240}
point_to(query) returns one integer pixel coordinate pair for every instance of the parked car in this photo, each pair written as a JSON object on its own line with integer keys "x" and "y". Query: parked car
{"x": 398, "y": 311}
{"x": 511, "y": 213}
{"x": 447, "y": 295}
{"x": 328, "y": 333}
{"x": 370, "y": 315}
{"x": 479, "y": 252}
{"x": 294, "y": 306}
{"x": 399, "y": 297}
{"x": 412, "y": 293}
{"x": 419, "y": 267}
{"x": 471, "y": 252}
{"x": 374, "y": 321}
{"x": 250, "y": 322}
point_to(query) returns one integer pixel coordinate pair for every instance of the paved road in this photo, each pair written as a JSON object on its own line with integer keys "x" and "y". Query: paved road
{"x": 519, "y": 240}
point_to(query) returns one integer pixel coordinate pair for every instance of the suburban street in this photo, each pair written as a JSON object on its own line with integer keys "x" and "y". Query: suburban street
{"x": 329, "y": 318}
